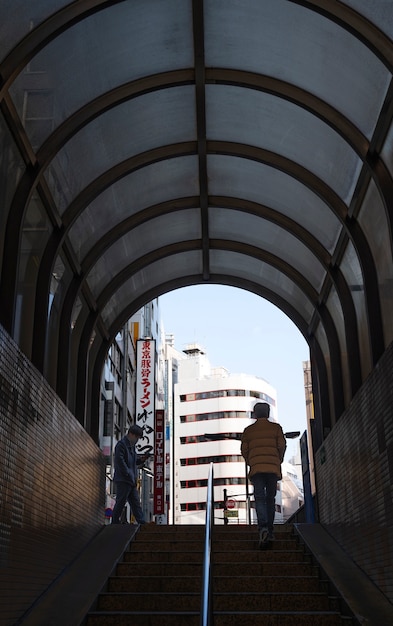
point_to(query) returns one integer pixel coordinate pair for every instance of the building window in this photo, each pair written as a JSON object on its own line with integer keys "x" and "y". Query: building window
{"x": 263, "y": 396}
{"x": 224, "y": 393}
{"x": 203, "y": 439}
{"x": 218, "y": 415}
{"x": 204, "y": 460}
{"x": 218, "y": 482}
{"x": 199, "y": 506}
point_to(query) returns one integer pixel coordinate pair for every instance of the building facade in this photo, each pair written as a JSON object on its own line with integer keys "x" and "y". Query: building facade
{"x": 211, "y": 409}
{"x": 119, "y": 397}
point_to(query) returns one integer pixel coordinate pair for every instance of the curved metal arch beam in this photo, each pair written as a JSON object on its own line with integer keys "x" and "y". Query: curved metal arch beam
{"x": 338, "y": 207}
{"x": 332, "y": 201}
{"x": 75, "y": 208}
{"x": 182, "y": 204}
{"x": 74, "y": 289}
{"x": 97, "y": 359}
{"x": 44, "y": 33}
{"x": 299, "y": 97}
{"x": 310, "y": 293}
{"x": 347, "y": 18}
{"x": 64, "y": 340}
{"x": 67, "y": 17}
{"x": 296, "y": 95}
{"x": 57, "y": 238}
{"x": 334, "y": 273}
{"x": 186, "y": 246}
{"x": 321, "y": 396}
{"x": 284, "y": 222}
{"x": 287, "y": 167}
{"x": 356, "y": 24}
{"x": 227, "y": 76}
{"x": 120, "y": 170}
{"x": 34, "y": 172}
{"x": 368, "y": 151}
{"x": 143, "y": 262}
{"x": 136, "y": 88}
{"x": 50, "y": 254}
{"x": 76, "y": 285}
{"x": 132, "y": 222}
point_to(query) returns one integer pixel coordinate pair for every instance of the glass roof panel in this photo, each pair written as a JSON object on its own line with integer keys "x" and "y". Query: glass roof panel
{"x": 13, "y": 27}
{"x": 261, "y": 36}
{"x": 125, "y": 131}
{"x": 372, "y": 218}
{"x": 379, "y": 12}
{"x": 151, "y": 277}
{"x": 352, "y": 272}
{"x": 151, "y": 185}
{"x": 242, "y": 178}
{"x": 260, "y": 119}
{"x": 334, "y": 307}
{"x": 114, "y": 46}
{"x": 254, "y": 231}
{"x": 245, "y": 267}
{"x": 168, "y": 229}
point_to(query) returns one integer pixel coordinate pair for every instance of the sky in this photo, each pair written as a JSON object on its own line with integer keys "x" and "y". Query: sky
{"x": 247, "y": 335}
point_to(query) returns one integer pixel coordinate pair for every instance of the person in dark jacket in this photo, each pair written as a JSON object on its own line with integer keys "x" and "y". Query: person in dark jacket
{"x": 125, "y": 462}
{"x": 263, "y": 447}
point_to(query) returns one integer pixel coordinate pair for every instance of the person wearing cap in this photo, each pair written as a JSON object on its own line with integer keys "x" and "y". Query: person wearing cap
{"x": 126, "y": 461}
{"x": 263, "y": 447}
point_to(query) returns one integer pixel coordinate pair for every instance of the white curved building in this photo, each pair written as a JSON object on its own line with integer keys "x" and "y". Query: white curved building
{"x": 210, "y": 401}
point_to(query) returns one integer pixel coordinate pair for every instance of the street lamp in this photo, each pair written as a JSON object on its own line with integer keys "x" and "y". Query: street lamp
{"x": 292, "y": 434}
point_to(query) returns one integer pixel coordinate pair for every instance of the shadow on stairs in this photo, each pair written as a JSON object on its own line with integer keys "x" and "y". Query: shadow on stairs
{"x": 158, "y": 581}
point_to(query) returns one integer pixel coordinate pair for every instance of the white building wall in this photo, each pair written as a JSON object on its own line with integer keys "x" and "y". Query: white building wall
{"x": 196, "y": 376}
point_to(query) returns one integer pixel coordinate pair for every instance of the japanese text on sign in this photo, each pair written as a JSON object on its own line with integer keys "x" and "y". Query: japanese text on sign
{"x": 159, "y": 455}
{"x": 145, "y": 400}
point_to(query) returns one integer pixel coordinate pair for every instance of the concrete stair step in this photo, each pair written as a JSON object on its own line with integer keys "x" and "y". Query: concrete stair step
{"x": 191, "y": 618}
{"x": 240, "y": 601}
{"x": 193, "y": 545}
{"x": 184, "y": 584}
{"x": 169, "y": 545}
{"x": 233, "y": 556}
{"x": 158, "y": 583}
{"x": 239, "y": 569}
{"x": 218, "y": 528}
{"x": 158, "y": 534}
{"x": 160, "y": 555}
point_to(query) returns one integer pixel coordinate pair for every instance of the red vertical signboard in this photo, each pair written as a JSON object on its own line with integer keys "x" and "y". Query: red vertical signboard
{"x": 159, "y": 477}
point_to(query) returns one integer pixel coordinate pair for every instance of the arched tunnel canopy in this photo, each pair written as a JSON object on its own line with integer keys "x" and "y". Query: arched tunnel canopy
{"x": 153, "y": 144}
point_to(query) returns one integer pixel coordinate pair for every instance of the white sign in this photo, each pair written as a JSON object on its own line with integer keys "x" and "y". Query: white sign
{"x": 145, "y": 394}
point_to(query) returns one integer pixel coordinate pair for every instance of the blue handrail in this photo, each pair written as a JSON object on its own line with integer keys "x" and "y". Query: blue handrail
{"x": 207, "y": 595}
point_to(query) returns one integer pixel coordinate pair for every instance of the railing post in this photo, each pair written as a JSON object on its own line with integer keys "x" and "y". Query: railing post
{"x": 247, "y": 496}
{"x": 225, "y": 507}
{"x": 207, "y": 616}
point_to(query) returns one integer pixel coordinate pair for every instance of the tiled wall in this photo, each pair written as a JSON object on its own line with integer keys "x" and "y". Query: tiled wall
{"x": 354, "y": 470}
{"x": 52, "y": 484}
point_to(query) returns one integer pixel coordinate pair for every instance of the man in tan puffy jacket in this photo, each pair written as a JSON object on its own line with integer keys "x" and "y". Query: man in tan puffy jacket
{"x": 263, "y": 447}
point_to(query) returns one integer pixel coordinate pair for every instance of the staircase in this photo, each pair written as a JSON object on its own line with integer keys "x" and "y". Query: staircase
{"x": 158, "y": 583}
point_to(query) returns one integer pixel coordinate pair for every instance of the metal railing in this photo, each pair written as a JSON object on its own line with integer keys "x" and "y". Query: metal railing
{"x": 207, "y": 592}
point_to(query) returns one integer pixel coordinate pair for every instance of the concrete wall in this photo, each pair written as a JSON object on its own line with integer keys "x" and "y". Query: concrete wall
{"x": 52, "y": 484}
{"x": 354, "y": 471}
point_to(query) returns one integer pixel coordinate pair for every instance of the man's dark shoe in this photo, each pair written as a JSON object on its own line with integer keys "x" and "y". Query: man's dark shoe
{"x": 263, "y": 537}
